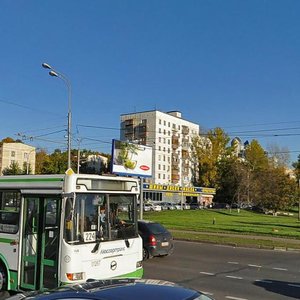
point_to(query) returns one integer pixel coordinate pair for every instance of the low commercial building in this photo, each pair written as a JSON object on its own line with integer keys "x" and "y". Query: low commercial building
{"x": 177, "y": 194}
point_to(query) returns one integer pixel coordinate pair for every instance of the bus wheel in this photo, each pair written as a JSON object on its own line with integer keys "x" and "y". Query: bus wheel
{"x": 145, "y": 254}
{"x": 3, "y": 279}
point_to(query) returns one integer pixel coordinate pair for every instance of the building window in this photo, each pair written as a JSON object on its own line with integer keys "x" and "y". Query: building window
{"x": 159, "y": 121}
{"x": 159, "y": 157}
{"x": 164, "y": 176}
{"x": 158, "y": 175}
{"x": 159, "y": 139}
{"x": 169, "y": 124}
{"x": 13, "y": 153}
{"x": 159, "y": 130}
{"x": 158, "y": 166}
{"x": 164, "y": 123}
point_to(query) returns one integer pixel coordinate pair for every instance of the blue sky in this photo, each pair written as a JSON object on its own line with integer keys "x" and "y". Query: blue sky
{"x": 233, "y": 64}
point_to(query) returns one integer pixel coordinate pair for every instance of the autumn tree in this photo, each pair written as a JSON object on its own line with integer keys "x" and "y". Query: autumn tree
{"x": 276, "y": 189}
{"x": 207, "y": 151}
{"x": 41, "y": 159}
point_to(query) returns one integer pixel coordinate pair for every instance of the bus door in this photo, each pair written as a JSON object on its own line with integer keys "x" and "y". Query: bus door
{"x": 40, "y": 242}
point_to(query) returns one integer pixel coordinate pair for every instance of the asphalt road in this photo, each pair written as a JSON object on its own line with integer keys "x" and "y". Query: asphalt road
{"x": 230, "y": 273}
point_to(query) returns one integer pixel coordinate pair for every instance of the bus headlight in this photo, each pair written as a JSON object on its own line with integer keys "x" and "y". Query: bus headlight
{"x": 75, "y": 276}
{"x": 139, "y": 264}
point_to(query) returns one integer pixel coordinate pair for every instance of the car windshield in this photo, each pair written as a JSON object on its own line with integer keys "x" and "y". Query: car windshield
{"x": 100, "y": 217}
{"x": 156, "y": 228}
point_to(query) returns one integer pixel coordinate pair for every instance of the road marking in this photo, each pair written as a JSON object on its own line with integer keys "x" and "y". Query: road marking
{"x": 263, "y": 281}
{"x": 294, "y": 285}
{"x": 234, "y": 277}
{"x": 280, "y": 269}
{"x": 235, "y": 298}
{"x": 206, "y": 273}
{"x": 233, "y": 262}
{"x": 254, "y": 266}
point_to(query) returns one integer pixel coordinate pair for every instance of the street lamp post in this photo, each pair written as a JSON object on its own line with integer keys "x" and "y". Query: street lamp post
{"x": 55, "y": 73}
{"x": 27, "y": 160}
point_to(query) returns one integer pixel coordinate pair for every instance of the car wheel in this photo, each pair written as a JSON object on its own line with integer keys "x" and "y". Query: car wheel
{"x": 145, "y": 254}
{"x": 3, "y": 279}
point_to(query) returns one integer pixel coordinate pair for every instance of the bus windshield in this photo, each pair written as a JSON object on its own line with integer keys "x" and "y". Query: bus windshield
{"x": 100, "y": 217}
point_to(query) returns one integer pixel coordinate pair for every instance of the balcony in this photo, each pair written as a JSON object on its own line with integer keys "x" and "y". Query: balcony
{"x": 184, "y": 154}
{"x": 175, "y": 142}
{"x": 185, "y": 130}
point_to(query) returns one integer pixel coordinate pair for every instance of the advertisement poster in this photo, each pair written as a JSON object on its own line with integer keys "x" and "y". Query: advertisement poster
{"x": 131, "y": 159}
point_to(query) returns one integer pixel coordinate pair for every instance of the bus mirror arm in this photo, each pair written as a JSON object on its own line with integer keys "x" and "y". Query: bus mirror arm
{"x": 95, "y": 249}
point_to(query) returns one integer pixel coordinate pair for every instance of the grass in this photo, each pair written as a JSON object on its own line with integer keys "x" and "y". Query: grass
{"x": 241, "y": 227}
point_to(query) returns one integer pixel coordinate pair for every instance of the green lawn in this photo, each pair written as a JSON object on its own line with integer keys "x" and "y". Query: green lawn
{"x": 228, "y": 221}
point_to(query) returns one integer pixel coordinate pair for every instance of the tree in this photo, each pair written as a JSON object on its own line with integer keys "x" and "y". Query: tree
{"x": 41, "y": 159}
{"x": 277, "y": 190}
{"x": 8, "y": 140}
{"x": 13, "y": 169}
{"x": 256, "y": 156}
{"x": 228, "y": 181}
{"x": 206, "y": 153}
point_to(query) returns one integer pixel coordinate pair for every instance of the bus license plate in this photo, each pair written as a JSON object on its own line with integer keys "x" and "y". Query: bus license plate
{"x": 165, "y": 244}
{"x": 89, "y": 236}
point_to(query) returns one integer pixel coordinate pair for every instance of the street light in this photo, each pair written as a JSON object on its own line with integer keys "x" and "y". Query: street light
{"x": 28, "y": 157}
{"x": 55, "y": 73}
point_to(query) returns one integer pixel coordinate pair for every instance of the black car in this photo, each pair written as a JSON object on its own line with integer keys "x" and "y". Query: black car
{"x": 157, "y": 240}
{"x": 121, "y": 289}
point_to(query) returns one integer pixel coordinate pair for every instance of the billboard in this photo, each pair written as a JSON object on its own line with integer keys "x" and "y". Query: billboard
{"x": 131, "y": 159}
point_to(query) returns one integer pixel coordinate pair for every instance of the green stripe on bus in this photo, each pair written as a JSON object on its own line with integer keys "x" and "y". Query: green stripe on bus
{"x": 31, "y": 179}
{"x": 7, "y": 241}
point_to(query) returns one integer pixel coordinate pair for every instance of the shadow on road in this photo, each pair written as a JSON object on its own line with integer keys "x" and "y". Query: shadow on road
{"x": 289, "y": 289}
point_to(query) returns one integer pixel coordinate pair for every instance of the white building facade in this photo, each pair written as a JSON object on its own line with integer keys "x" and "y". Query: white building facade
{"x": 170, "y": 136}
{"x": 22, "y": 154}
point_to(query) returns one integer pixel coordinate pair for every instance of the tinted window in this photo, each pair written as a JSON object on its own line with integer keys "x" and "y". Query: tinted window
{"x": 9, "y": 211}
{"x": 156, "y": 228}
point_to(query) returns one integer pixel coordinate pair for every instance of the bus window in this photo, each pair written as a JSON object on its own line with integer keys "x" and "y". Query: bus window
{"x": 95, "y": 218}
{"x": 9, "y": 211}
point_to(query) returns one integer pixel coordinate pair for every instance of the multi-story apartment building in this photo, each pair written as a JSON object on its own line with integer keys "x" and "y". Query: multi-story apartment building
{"x": 19, "y": 153}
{"x": 170, "y": 137}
